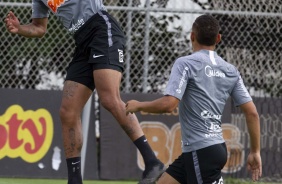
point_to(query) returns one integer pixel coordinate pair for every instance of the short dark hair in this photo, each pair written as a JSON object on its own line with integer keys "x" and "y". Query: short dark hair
{"x": 206, "y": 29}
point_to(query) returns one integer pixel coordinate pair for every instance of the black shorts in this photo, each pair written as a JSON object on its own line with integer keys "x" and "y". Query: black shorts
{"x": 100, "y": 44}
{"x": 200, "y": 167}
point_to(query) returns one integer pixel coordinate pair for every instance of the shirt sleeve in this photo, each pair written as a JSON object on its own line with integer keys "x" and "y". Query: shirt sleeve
{"x": 39, "y": 9}
{"x": 178, "y": 79}
{"x": 240, "y": 94}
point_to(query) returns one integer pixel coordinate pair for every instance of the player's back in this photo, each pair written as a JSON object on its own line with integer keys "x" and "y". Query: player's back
{"x": 210, "y": 81}
{"x": 211, "y": 75}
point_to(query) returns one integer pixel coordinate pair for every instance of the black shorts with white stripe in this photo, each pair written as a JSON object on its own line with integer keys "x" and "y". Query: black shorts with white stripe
{"x": 200, "y": 167}
{"x": 100, "y": 44}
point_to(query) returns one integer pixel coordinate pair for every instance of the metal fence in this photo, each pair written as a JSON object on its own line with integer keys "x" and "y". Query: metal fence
{"x": 157, "y": 33}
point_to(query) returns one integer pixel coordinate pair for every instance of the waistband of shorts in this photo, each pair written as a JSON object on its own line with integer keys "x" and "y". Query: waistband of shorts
{"x": 87, "y": 27}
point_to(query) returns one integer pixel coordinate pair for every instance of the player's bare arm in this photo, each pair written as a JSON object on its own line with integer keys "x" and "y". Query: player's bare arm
{"x": 161, "y": 105}
{"x": 253, "y": 123}
{"x": 252, "y": 119}
{"x": 36, "y": 29}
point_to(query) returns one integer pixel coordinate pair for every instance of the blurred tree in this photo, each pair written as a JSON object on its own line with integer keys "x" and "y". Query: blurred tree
{"x": 166, "y": 43}
{"x": 258, "y": 37}
{"x": 23, "y": 63}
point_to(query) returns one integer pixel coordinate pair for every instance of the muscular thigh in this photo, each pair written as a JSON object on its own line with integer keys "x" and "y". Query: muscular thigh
{"x": 167, "y": 179}
{"x": 107, "y": 82}
{"x": 75, "y": 95}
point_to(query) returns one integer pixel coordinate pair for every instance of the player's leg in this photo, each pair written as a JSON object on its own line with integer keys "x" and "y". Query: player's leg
{"x": 175, "y": 173}
{"x": 167, "y": 179}
{"x": 107, "y": 83}
{"x": 77, "y": 90}
{"x": 106, "y": 55}
{"x": 75, "y": 95}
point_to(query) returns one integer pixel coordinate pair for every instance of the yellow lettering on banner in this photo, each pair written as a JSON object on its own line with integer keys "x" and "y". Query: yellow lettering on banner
{"x": 166, "y": 143}
{"x": 26, "y": 134}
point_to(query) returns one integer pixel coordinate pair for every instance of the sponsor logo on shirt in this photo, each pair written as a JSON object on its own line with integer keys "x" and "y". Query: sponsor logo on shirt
{"x": 208, "y": 115}
{"x": 182, "y": 80}
{"x": 210, "y": 72}
{"x": 55, "y": 4}
{"x": 76, "y": 26}
{"x": 213, "y": 127}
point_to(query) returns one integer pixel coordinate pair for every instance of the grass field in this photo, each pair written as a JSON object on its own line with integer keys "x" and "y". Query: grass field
{"x": 48, "y": 181}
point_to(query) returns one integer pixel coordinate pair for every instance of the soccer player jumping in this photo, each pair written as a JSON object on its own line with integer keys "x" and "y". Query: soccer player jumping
{"x": 200, "y": 85}
{"x": 97, "y": 64}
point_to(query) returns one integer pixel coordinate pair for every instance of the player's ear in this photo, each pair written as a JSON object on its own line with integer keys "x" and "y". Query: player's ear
{"x": 218, "y": 38}
{"x": 192, "y": 36}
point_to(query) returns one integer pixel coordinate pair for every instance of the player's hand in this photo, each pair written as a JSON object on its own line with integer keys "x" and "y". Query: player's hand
{"x": 12, "y": 23}
{"x": 254, "y": 165}
{"x": 132, "y": 106}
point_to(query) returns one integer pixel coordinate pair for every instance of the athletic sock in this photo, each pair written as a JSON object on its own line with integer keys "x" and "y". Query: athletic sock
{"x": 147, "y": 153}
{"x": 74, "y": 170}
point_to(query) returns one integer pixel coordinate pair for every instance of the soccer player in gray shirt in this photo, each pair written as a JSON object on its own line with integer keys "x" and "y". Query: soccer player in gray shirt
{"x": 97, "y": 64}
{"x": 200, "y": 85}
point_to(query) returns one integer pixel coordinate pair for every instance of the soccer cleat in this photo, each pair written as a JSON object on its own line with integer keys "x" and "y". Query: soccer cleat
{"x": 150, "y": 177}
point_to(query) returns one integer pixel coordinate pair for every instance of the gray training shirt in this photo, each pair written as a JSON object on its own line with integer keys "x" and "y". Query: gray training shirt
{"x": 202, "y": 82}
{"x": 71, "y": 13}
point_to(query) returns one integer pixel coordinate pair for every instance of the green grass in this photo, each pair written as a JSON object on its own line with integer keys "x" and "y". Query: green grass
{"x": 240, "y": 181}
{"x": 49, "y": 181}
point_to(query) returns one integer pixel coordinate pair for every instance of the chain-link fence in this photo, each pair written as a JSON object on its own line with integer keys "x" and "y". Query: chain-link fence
{"x": 157, "y": 33}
